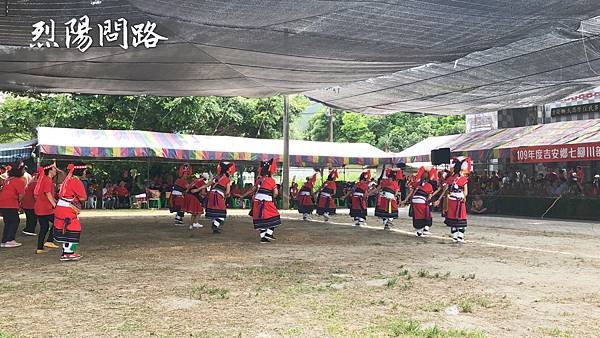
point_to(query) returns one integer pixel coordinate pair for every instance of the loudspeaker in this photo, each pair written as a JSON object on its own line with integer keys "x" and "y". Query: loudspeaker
{"x": 440, "y": 156}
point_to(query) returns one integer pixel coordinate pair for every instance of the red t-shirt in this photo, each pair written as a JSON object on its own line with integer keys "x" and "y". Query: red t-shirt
{"x": 121, "y": 191}
{"x": 43, "y": 206}
{"x": 9, "y": 195}
{"x": 28, "y": 200}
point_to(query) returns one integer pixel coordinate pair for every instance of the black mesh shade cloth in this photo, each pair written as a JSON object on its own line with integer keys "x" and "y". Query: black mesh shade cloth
{"x": 434, "y": 56}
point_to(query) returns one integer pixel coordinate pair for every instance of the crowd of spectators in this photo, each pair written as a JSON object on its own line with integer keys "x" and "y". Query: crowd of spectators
{"x": 551, "y": 183}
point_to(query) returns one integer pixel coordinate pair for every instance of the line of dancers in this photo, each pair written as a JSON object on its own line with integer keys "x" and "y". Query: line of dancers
{"x": 426, "y": 191}
{"x": 44, "y": 203}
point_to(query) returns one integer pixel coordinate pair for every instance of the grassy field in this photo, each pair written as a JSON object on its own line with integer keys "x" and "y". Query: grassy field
{"x": 143, "y": 277}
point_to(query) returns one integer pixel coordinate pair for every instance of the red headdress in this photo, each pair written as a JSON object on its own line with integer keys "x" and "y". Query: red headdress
{"x": 433, "y": 174}
{"x": 420, "y": 173}
{"x": 41, "y": 174}
{"x": 366, "y": 175}
{"x": 184, "y": 169}
{"x": 269, "y": 166}
{"x": 333, "y": 175}
{"x": 226, "y": 168}
{"x": 427, "y": 187}
{"x": 399, "y": 174}
{"x": 71, "y": 167}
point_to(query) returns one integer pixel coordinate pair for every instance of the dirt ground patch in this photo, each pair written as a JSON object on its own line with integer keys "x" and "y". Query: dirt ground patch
{"x": 143, "y": 277}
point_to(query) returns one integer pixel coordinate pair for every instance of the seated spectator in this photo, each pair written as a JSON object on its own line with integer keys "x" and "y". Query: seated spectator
{"x": 109, "y": 200}
{"x": 122, "y": 195}
{"x": 477, "y": 206}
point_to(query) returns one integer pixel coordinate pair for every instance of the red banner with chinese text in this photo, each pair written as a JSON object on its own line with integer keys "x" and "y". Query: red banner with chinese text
{"x": 556, "y": 153}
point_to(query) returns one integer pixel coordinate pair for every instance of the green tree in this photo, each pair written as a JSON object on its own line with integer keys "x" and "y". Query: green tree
{"x": 235, "y": 116}
{"x": 393, "y": 132}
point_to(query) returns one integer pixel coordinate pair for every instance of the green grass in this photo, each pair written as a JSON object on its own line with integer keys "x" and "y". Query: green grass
{"x": 555, "y": 332}
{"x": 412, "y": 328}
{"x": 6, "y": 335}
{"x": 198, "y": 291}
{"x": 391, "y": 282}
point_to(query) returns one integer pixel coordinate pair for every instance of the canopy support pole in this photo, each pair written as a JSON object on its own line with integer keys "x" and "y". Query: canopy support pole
{"x": 285, "y": 185}
{"x": 330, "y": 123}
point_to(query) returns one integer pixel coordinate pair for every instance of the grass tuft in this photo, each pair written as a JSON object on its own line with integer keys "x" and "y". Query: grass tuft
{"x": 198, "y": 291}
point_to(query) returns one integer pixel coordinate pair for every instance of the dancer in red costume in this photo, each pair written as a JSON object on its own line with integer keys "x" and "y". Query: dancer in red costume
{"x": 306, "y": 203}
{"x": 216, "y": 209}
{"x": 326, "y": 206}
{"x": 387, "y": 204}
{"x": 359, "y": 195}
{"x": 265, "y": 215}
{"x": 456, "y": 215}
{"x": 67, "y": 228}
{"x": 194, "y": 199}
{"x": 177, "y": 199}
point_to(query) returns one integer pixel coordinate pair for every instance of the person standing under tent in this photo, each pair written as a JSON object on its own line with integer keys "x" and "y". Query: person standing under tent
{"x": 45, "y": 203}
{"x": 11, "y": 196}
{"x": 216, "y": 209}
{"x": 28, "y": 204}
{"x": 306, "y": 204}
{"x": 387, "y": 204}
{"x": 265, "y": 215}
{"x": 326, "y": 206}
{"x": 358, "y": 199}
{"x": 456, "y": 215}
{"x": 67, "y": 227}
{"x": 177, "y": 199}
{"x": 194, "y": 200}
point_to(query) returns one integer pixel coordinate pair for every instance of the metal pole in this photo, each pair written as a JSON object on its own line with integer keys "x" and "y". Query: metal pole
{"x": 330, "y": 124}
{"x": 285, "y": 186}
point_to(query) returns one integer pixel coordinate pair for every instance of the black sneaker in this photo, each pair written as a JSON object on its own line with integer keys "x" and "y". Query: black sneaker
{"x": 386, "y": 227}
{"x": 264, "y": 240}
{"x": 270, "y": 238}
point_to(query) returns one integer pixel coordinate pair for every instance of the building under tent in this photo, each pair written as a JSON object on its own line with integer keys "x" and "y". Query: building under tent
{"x": 527, "y": 154}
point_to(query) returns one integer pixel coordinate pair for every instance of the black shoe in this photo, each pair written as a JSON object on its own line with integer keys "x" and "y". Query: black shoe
{"x": 264, "y": 240}
{"x": 270, "y": 238}
{"x": 386, "y": 227}
{"x": 216, "y": 231}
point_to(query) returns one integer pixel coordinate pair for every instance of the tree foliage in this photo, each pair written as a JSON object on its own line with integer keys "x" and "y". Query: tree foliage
{"x": 393, "y": 132}
{"x": 235, "y": 116}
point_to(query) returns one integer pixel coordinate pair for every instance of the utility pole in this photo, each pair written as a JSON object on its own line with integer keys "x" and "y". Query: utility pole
{"x": 285, "y": 184}
{"x": 330, "y": 115}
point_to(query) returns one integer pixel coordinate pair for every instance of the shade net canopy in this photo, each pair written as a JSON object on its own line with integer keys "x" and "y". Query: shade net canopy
{"x": 434, "y": 56}
{"x": 132, "y": 144}
{"x": 485, "y": 145}
{"x": 12, "y": 152}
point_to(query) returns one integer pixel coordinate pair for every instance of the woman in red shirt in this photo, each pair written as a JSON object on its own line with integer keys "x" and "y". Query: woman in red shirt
{"x": 67, "y": 228}
{"x": 27, "y": 204}
{"x": 11, "y": 195}
{"x": 44, "y": 206}
{"x": 264, "y": 211}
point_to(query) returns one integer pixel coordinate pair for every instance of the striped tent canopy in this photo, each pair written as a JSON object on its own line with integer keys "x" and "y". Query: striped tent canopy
{"x": 11, "y": 152}
{"x": 484, "y": 145}
{"x": 123, "y": 144}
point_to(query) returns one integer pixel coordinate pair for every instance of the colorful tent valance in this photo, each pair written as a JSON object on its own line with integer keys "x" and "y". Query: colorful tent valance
{"x": 144, "y": 144}
{"x": 485, "y": 145}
